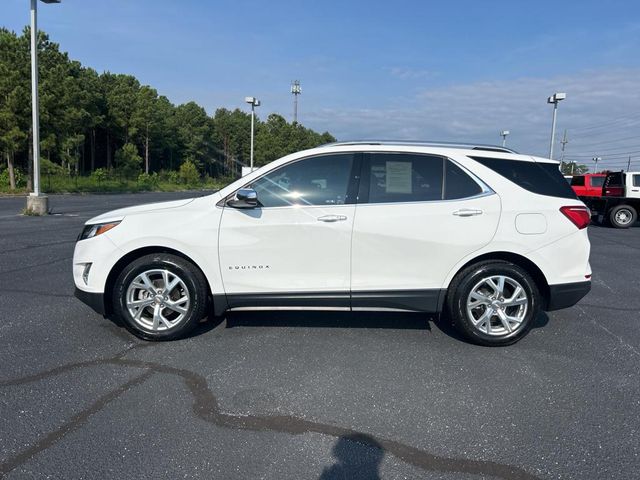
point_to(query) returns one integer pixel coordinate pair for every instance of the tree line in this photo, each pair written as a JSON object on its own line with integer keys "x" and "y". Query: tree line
{"x": 91, "y": 120}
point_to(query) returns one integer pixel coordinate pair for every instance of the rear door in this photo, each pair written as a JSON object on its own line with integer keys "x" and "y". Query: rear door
{"x": 416, "y": 217}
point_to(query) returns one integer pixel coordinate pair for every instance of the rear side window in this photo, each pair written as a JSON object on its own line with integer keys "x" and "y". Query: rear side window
{"x": 404, "y": 177}
{"x": 540, "y": 178}
{"x": 577, "y": 181}
{"x": 636, "y": 180}
{"x": 614, "y": 179}
{"x": 597, "y": 181}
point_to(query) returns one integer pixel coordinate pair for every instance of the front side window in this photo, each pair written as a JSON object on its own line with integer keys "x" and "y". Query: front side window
{"x": 321, "y": 180}
{"x": 404, "y": 177}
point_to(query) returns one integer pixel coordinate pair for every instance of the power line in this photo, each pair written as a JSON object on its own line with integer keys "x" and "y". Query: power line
{"x": 613, "y": 140}
{"x": 624, "y": 150}
{"x": 610, "y": 155}
{"x": 623, "y": 118}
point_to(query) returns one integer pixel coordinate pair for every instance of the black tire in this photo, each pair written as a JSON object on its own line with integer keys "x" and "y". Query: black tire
{"x": 193, "y": 281}
{"x": 461, "y": 287}
{"x": 622, "y": 216}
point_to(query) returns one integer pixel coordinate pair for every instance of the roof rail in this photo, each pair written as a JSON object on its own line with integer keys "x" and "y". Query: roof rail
{"x": 466, "y": 146}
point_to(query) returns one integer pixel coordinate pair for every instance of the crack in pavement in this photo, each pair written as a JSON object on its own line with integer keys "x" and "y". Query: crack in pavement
{"x": 73, "y": 424}
{"x": 205, "y": 406}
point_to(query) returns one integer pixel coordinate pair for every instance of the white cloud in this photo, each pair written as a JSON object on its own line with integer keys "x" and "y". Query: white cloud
{"x": 477, "y": 111}
{"x": 405, "y": 73}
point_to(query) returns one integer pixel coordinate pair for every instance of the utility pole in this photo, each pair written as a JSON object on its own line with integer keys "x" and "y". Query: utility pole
{"x": 596, "y": 160}
{"x": 563, "y": 142}
{"x": 629, "y": 164}
{"x": 296, "y": 90}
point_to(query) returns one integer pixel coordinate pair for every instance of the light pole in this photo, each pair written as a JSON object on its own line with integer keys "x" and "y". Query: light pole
{"x": 555, "y": 98}
{"x": 596, "y": 160}
{"x": 504, "y": 134}
{"x": 36, "y": 202}
{"x": 296, "y": 90}
{"x": 254, "y": 102}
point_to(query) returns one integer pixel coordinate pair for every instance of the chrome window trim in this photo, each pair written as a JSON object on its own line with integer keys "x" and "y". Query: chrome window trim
{"x": 486, "y": 189}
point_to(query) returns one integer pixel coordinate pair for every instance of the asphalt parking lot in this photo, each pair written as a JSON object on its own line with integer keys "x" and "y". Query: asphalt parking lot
{"x": 308, "y": 396}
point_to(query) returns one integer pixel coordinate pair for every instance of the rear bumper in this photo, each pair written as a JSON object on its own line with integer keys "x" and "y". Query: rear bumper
{"x": 94, "y": 300}
{"x": 566, "y": 294}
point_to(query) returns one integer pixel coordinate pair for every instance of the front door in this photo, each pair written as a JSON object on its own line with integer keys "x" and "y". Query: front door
{"x": 294, "y": 249}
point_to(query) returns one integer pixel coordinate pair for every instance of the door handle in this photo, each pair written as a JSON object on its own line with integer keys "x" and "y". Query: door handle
{"x": 467, "y": 212}
{"x": 332, "y": 218}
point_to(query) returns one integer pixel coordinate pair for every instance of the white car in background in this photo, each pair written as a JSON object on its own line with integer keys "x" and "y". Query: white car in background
{"x": 487, "y": 236}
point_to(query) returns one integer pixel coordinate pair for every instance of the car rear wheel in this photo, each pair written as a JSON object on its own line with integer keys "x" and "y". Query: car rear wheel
{"x": 622, "y": 216}
{"x": 493, "y": 303}
{"x": 160, "y": 297}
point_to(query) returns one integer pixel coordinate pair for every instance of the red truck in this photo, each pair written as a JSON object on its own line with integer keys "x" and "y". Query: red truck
{"x": 588, "y": 185}
{"x": 619, "y": 203}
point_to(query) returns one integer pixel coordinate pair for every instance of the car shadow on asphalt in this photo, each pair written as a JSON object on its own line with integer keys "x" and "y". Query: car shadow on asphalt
{"x": 319, "y": 319}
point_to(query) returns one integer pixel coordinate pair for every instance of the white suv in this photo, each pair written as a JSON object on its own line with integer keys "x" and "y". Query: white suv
{"x": 484, "y": 235}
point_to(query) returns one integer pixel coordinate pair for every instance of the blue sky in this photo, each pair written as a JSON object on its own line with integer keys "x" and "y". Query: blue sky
{"x": 456, "y": 70}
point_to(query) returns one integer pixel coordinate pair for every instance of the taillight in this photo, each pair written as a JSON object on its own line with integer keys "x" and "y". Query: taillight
{"x": 614, "y": 191}
{"x": 579, "y": 216}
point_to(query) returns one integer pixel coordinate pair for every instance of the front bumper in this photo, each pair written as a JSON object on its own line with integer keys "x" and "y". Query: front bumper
{"x": 94, "y": 300}
{"x": 566, "y": 295}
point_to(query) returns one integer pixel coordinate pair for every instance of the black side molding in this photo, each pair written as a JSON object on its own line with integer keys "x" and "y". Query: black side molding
{"x": 566, "y": 294}
{"x": 427, "y": 300}
{"x": 94, "y": 300}
{"x": 292, "y": 299}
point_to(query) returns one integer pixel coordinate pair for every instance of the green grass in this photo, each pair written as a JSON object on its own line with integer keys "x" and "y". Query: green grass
{"x": 87, "y": 184}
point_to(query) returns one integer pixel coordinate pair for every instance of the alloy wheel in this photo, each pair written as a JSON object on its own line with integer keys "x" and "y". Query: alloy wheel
{"x": 157, "y": 299}
{"x": 497, "y": 305}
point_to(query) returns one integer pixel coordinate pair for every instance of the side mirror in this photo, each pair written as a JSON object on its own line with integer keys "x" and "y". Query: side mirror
{"x": 244, "y": 198}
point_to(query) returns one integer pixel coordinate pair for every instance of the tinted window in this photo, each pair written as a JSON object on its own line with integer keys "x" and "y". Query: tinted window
{"x": 597, "y": 181}
{"x": 614, "y": 179}
{"x": 458, "y": 184}
{"x": 540, "y": 178}
{"x": 636, "y": 180}
{"x": 577, "y": 181}
{"x": 321, "y": 180}
{"x": 402, "y": 177}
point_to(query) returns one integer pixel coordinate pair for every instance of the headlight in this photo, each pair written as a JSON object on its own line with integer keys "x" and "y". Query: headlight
{"x": 90, "y": 231}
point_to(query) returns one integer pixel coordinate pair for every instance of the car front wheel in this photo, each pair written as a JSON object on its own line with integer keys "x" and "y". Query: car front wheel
{"x": 160, "y": 297}
{"x": 493, "y": 303}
